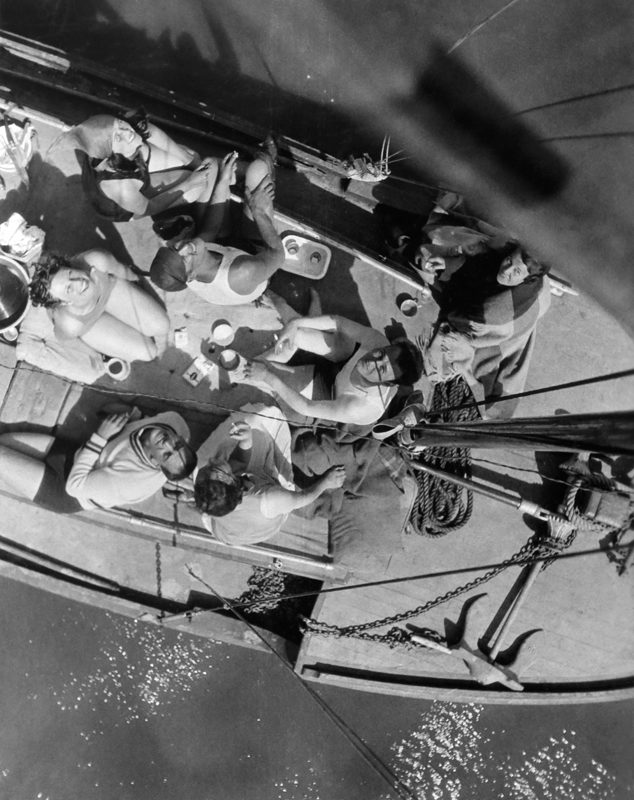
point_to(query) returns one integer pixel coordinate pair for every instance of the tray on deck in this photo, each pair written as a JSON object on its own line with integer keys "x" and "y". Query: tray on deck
{"x": 306, "y": 257}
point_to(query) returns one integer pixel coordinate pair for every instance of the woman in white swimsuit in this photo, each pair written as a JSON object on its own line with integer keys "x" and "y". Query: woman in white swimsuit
{"x": 93, "y": 297}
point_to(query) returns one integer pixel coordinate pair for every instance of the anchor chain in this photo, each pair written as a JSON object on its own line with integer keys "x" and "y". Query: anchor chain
{"x": 159, "y": 579}
{"x": 267, "y": 588}
{"x": 534, "y": 546}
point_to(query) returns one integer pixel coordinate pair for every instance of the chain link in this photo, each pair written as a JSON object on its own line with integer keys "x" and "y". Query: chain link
{"x": 267, "y": 588}
{"x": 523, "y": 556}
{"x": 159, "y": 578}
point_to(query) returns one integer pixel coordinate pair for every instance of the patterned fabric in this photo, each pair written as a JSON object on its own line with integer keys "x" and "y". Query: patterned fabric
{"x": 497, "y": 324}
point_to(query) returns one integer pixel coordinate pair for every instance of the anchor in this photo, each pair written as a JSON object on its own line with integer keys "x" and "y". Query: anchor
{"x": 482, "y": 666}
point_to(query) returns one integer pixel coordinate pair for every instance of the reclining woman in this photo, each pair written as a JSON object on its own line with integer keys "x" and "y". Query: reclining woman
{"x": 244, "y": 488}
{"x": 93, "y": 297}
{"x": 132, "y": 169}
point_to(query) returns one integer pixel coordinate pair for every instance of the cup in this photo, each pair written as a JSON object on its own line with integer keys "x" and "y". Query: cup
{"x": 229, "y": 360}
{"x": 409, "y": 306}
{"x": 9, "y": 334}
{"x": 118, "y": 369}
{"x": 222, "y": 332}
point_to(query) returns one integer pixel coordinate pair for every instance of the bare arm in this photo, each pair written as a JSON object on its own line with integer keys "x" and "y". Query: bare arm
{"x": 283, "y": 501}
{"x": 247, "y": 272}
{"x": 105, "y": 262}
{"x": 347, "y": 408}
{"x": 328, "y": 322}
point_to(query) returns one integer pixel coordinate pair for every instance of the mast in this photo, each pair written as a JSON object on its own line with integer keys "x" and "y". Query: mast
{"x": 604, "y": 433}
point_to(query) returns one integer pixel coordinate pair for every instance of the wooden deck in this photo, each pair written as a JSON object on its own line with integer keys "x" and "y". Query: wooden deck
{"x": 123, "y": 543}
{"x": 586, "y": 643}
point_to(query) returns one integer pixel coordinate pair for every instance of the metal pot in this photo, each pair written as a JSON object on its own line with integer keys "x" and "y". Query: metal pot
{"x": 14, "y": 293}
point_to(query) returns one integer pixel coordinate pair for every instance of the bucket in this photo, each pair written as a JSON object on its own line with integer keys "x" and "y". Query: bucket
{"x": 14, "y": 295}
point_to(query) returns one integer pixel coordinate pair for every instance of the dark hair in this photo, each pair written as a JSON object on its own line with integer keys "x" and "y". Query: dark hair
{"x": 535, "y": 268}
{"x": 39, "y": 288}
{"x": 215, "y": 497}
{"x": 187, "y": 467}
{"x": 167, "y": 270}
{"x": 408, "y": 362}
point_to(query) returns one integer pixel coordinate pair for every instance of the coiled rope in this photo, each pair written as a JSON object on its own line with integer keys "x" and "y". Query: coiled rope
{"x": 441, "y": 506}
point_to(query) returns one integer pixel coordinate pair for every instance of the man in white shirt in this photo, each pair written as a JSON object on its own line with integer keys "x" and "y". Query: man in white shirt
{"x": 218, "y": 273}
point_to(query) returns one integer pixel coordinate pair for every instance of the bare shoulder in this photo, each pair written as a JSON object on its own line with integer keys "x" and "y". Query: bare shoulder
{"x": 173, "y": 150}
{"x": 66, "y": 325}
{"x": 360, "y": 333}
{"x": 126, "y": 192}
{"x": 97, "y": 258}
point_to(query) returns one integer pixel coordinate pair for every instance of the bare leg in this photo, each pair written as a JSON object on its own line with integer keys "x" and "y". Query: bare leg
{"x": 21, "y": 462}
{"x": 114, "y": 338}
{"x": 137, "y": 309}
{"x": 31, "y": 444}
{"x": 256, "y": 172}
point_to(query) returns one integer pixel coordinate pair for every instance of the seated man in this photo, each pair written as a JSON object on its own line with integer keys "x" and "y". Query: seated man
{"x": 124, "y": 462}
{"x": 370, "y": 369}
{"x": 95, "y": 298}
{"x": 244, "y": 488}
{"x": 222, "y": 274}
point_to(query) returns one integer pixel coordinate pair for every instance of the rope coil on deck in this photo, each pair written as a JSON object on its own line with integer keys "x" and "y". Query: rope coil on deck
{"x": 441, "y": 506}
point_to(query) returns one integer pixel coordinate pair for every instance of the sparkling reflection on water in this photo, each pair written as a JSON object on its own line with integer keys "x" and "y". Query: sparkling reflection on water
{"x": 136, "y": 711}
{"x": 449, "y": 756}
{"x": 138, "y": 670}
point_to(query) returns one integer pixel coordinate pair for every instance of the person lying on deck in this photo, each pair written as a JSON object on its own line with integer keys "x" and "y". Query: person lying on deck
{"x": 93, "y": 297}
{"x": 489, "y": 311}
{"x": 122, "y": 463}
{"x": 126, "y": 461}
{"x": 368, "y": 369}
{"x": 221, "y": 273}
{"x": 244, "y": 488}
{"x": 132, "y": 169}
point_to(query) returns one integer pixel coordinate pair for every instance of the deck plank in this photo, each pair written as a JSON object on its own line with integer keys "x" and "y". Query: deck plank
{"x": 34, "y": 398}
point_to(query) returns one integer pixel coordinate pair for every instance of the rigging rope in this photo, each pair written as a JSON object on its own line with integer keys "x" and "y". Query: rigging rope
{"x": 364, "y": 750}
{"x": 615, "y": 547}
{"x": 610, "y": 376}
{"x": 201, "y": 405}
